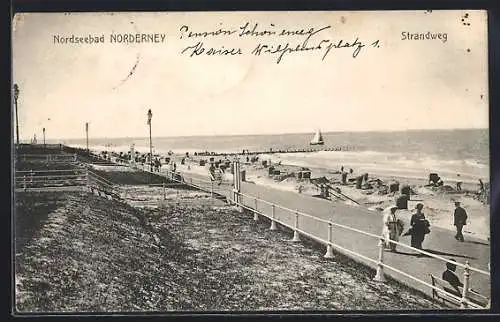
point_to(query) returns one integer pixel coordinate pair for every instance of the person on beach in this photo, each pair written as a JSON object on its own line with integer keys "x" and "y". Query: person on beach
{"x": 450, "y": 276}
{"x": 459, "y": 220}
{"x": 481, "y": 187}
{"x": 419, "y": 227}
{"x": 393, "y": 228}
{"x": 344, "y": 178}
{"x": 211, "y": 170}
{"x": 459, "y": 183}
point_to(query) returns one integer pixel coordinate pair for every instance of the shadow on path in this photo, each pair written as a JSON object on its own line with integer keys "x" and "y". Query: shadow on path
{"x": 476, "y": 242}
{"x": 407, "y": 254}
{"x": 436, "y": 252}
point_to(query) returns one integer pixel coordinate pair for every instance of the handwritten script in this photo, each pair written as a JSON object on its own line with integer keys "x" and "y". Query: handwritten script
{"x": 271, "y": 41}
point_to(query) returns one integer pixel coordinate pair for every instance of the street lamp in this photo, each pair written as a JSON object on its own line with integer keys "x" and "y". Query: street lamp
{"x": 43, "y": 130}
{"x": 150, "y": 115}
{"x": 16, "y": 95}
{"x": 87, "y": 135}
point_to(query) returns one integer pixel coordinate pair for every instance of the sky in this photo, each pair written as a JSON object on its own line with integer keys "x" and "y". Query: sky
{"x": 402, "y": 84}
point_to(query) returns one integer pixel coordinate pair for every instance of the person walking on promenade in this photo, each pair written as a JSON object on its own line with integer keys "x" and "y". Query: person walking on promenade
{"x": 419, "y": 227}
{"x": 460, "y": 220}
{"x": 393, "y": 227}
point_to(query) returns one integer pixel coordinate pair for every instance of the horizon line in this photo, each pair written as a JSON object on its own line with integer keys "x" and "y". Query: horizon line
{"x": 266, "y": 134}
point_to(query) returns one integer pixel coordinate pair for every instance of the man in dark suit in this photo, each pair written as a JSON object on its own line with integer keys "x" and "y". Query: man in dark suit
{"x": 460, "y": 220}
{"x": 450, "y": 277}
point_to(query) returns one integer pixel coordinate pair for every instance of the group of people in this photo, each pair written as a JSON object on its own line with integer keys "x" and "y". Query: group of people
{"x": 419, "y": 226}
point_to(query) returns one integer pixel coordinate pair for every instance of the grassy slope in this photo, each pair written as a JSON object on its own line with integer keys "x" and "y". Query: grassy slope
{"x": 32, "y": 210}
{"x": 100, "y": 255}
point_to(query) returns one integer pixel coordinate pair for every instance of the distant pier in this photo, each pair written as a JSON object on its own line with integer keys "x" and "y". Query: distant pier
{"x": 276, "y": 151}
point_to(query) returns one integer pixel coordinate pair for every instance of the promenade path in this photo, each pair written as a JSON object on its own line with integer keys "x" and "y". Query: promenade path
{"x": 439, "y": 242}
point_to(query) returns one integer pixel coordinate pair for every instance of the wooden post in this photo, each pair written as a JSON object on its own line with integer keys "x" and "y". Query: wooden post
{"x": 465, "y": 288}
{"x": 212, "y": 192}
{"x": 273, "y": 223}
{"x": 236, "y": 183}
{"x": 380, "y": 277}
{"x": 255, "y": 214}
{"x": 329, "y": 249}
{"x": 296, "y": 237}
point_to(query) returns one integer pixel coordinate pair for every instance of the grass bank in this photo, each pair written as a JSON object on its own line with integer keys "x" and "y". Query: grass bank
{"x": 94, "y": 254}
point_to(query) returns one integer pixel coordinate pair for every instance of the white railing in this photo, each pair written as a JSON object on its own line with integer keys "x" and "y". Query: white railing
{"x": 43, "y": 179}
{"x": 464, "y": 300}
{"x": 49, "y": 158}
{"x": 49, "y": 179}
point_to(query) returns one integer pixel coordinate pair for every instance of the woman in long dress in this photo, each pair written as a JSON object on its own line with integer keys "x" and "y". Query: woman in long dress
{"x": 419, "y": 227}
{"x": 393, "y": 227}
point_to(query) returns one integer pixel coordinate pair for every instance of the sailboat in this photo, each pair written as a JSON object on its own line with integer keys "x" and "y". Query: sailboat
{"x": 317, "y": 139}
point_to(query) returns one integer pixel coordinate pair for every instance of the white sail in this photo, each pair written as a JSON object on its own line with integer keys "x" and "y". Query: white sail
{"x": 317, "y": 139}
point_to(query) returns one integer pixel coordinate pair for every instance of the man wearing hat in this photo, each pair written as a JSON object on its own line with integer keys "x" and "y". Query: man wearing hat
{"x": 460, "y": 220}
{"x": 450, "y": 277}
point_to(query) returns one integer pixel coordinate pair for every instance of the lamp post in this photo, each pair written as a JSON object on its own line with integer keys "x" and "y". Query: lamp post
{"x": 16, "y": 95}
{"x": 43, "y": 130}
{"x": 150, "y": 115}
{"x": 87, "y": 135}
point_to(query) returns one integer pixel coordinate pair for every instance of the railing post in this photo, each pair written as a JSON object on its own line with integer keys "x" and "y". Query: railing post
{"x": 255, "y": 214}
{"x": 465, "y": 289}
{"x": 380, "y": 277}
{"x": 273, "y": 223}
{"x": 296, "y": 237}
{"x": 236, "y": 185}
{"x": 24, "y": 182}
{"x": 329, "y": 249}
{"x": 164, "y": 192}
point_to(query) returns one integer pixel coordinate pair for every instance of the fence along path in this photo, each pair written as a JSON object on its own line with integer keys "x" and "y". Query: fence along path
{"x": 356, "y": 232}
{"x": 63, "y": 180}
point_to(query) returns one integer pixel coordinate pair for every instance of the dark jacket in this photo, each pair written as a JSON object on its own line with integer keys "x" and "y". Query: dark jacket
{"x": 460, "y": 216}
{"x": 451, "y": 278}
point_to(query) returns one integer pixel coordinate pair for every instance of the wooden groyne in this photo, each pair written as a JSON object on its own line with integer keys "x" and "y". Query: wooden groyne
{"x": 246, "y": 152}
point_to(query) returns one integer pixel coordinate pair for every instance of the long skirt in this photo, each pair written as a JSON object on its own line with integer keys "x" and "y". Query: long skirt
{"x": 417, "y": 240}
{"x": 391, "y": 233}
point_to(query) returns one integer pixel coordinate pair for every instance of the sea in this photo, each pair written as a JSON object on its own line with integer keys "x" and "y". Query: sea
{"x": 458, "y": 155}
